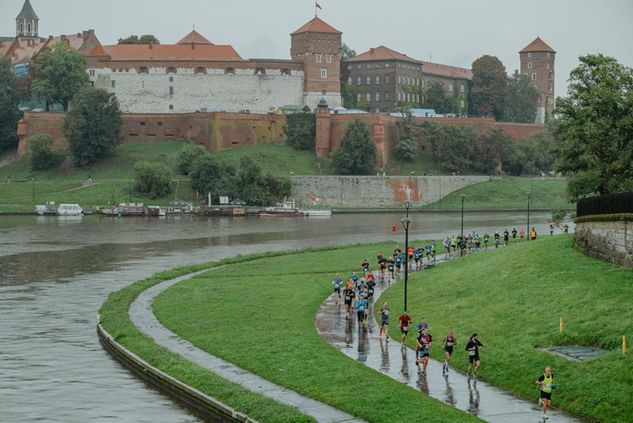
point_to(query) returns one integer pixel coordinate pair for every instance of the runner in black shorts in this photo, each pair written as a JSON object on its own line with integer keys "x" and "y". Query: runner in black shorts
{"x": 382, "y": 264}
{"x": 348, "y": 296}
{"x": 546, "y": 380}
{"x": 391, "y": 264}
{"x": 449, "y": 342}
{"x": 473, "y": 354}
{"x": 424, "y": 345}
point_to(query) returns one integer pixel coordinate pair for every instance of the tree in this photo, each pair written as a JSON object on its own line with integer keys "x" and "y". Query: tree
{"x": 300, "y": 130}
{"x": 435, "y": 98}
{"x": 42, "y": 157}
{"x": 154, "y": 179}
{"x": 93, "y": 125}
{"x": 406, "y": 148}
{"x": 9, "y": 101}
{"x": 492, "y": 149}
{"x": 258, "y": 189}
{"x": 58, "y": 75}
{"x": 453, "y": 146}
{"x": 357, "y": 153}
{"x": 188, "y": 157}
{"x": 488, "y": 87}
{"x": 143, "y": 39}
{"x": 210, "y": 176}
{"x": 595, "y": 131}
{"x": 347, "y": 53}
{"x": 520, "y": 99}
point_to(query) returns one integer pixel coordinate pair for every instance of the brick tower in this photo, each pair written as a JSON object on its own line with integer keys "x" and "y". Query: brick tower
{"x": 26, "y": 23}
{"x": 318, "y": 46}
{"x": 537, "y": 62}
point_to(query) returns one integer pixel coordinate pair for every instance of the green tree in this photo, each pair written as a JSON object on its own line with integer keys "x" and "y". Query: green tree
{"x": 520, "y": 99}
{"x": 595, "y": 131}
{"x": 407, "y": 147}
{"x": 435, "y": 98}
{"x": 143, "y": 39}
{"x": 300, "y": 130}
{"x": 58, "y": 75}
{"x": 42, "y": 157}
{"x": 9, "y": 101}
{"x": 211, "y": 176}
{"x": 346, "y": 52}
{"x": 154, "y": 179}
{"x": 453, "y": 146}
{"x": 492, "y": 149}
{"x": 188, "y": 157}
{"x": 258, "y": 189}
{"x": 93, "y": 126}
{"x": 357, "y": 153}
{"x": 488, "y": 87}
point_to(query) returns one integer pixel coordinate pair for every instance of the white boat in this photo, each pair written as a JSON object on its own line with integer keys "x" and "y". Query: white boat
{"x": 285, "y": 209}
{"x": 46, "y": 209}
{"x": 69, "y": 210}
{"x": 317, "y": 212}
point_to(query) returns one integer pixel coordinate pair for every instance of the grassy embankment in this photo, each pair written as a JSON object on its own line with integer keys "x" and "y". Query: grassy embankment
{"x": 514, "y": 298}
{"x": 260, "y": 315}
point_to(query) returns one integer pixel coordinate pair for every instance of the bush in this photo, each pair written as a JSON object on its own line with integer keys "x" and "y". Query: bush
{"x": 300, "y": 130}
{"x": 188, "y": 157}
{"x": 42, "y": 157}
{"x": 357, "y": 154}
{"x": 154, "y": 179}
{"x": 405, "y": 150}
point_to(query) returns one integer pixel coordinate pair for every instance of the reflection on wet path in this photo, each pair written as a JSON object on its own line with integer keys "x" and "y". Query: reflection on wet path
{"x": 364, "y": 344}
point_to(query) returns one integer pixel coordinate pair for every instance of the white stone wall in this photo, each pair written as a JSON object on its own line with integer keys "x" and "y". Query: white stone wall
{"x": 611, "y": 241}
{"x": 213, "y": 91}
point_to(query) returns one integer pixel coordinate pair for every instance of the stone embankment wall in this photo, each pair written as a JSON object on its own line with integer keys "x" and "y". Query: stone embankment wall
{"x": 607, "y": 240}
{"x": 377, "y": 191}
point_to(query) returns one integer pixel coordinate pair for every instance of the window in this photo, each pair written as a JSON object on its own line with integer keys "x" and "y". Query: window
{"x": 92, "y": 72}
{"x": 386, "y": 79}
{"x": 409, "y": 97}
{"x": 92, "y": 83}
{"x": 113, "y": 83}
{"x": 368, "y": 66}
{"x": 368, "y": 96}
{"x": 450, "y": 87}
{"x": 171, "y": 90}
{"x": 462, "y": 104}
{"x": 171, "y": 79}
{"x": 534, "y": 77}
{"x": 358, "y": 97}
{"x": 387, "y": 95}
{"x": 28, "y": 27}
{"x": 377, "y": 80}
{"x": 21, "y": 27}
{"x": 549, "y": 88}
{"x": 377, "y": 96}
{"x": 349, "y": 80}
{"x": 422, "y": 82}
{"x": 323, "y": 73}
{"x": 317, "y": 57}
{"x": 260, "y": 71}
{"x": 529, "y": 54}
{"x": 368, "y": 80}
{"x": 462, "y": 88}
{"x": 349, "y": 67}
{"x": 171, "y": 69}
{"x": 547, "y": 66}
{"x": 529, "y": 65}
{"x": 386, "y": 65}
{"x": 358, "y": 80}
{"x": 328, "y": 58}
{"x": 398, "y": 95}
{"x": 229, "y": 71}
{"x": 171, "y": 107}
{"x": 549, "y": 55}
{"x": 143, "y": 69}
{"x": 200, "y": 71}
{"x": 285, "y": 71}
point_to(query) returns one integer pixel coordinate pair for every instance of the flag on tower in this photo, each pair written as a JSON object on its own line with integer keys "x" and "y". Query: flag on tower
{"x": 317, "y": 5}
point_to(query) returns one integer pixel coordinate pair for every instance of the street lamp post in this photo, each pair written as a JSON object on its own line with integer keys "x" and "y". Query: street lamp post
{"x": 405, "y": 224}
{"x": 529, "y": 195}
{"x": 461, "y": 246}
{"x": 33, "y": 181}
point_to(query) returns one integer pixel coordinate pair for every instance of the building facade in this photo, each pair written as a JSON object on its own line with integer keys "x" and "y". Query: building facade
{"x": 537, "y": 63}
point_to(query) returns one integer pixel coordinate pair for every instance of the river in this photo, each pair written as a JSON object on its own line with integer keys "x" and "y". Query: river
{"x": 55, "y": 273}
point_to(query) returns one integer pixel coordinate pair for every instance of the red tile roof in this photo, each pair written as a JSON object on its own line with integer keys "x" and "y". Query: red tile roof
{"x": 317, "y": 25}
{"x": 381, "y": 53}
{"x": 194, "y": 37}
{"x": 447, "y": 71}
{"x": 537, "y": 45}
{"x": 166, "y": 52}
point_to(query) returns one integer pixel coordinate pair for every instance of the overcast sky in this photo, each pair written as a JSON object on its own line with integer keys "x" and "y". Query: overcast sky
{"x": 453, "y": 32}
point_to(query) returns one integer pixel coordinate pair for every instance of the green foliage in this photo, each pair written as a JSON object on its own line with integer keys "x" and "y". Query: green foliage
{"x": 491, "y": 150}
{"x": 58, "y": 75}
{"x": 346, "y": 52}
{"x": 9, "y": 101}
{"x": 349, "y": 94}
{"x": 520, "y": 99}
{"x": 42, "y": 157}
{"x": 188, "y": 156}
{"x": 595, "y": 133}
{"x": 154, "y": 179}
{"x": 300, "y": 130}
{"x": 258, "y": 189}
{"x": 405, "y": 150}
{"x": 488, "y": 87}
{"x": 143, "y": 39}
{"x": 453, "y": 146}
{"x": 435, "y": 98}
{"x": 93, "y": 125}
{"x": 410, "y": 132}
{"x": 357, "y": 153}
{"x": 558, "y": 215}
{"x": 211, "y": 176}
{"x": 532, "y": 156}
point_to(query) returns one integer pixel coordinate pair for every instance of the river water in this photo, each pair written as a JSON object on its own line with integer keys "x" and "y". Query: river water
{"x": 55, "y": 273}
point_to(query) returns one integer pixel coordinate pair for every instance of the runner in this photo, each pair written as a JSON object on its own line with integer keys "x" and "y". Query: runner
{"x": 391, "y": 264}
{"x": 566, "y": 228}
{"x": 371, "y": 284}
{"x": 449, "y": 342}
{"x": 533, "y": 234}
{"x": 514, "y": 234}
{"x": 546, "y": 380}
{"x": 361, "y": 305}
{"x": 398, "y": 260}
{"x": 477, "y": 242}
{"x": 382, "y": 263}
{"x": 365, "y": 266}
{"x": 404, "y": 321}
{"x": 551, "y": 228}
{"x": 486, "y": 240}
{"x": 417, "y": 257}
{"x": 348, "y": 297}
{"x": 410, "y": 254}
{"x": 337, "y": 282}
{"x": 497, "y": 236}
{"x": 384, "y": 320}
{"x": 473, "y": 354}
{"x": 428, "y": 250}
{"x": 506, "y": 237}
{"x": 433, "y": 250}
{"x": 454, "y": 244}
{"x": 424, "y": 345}
{"x": 522, "y": 234}
{"x": 421, "y": 326}
{"x": 447, "y": 248}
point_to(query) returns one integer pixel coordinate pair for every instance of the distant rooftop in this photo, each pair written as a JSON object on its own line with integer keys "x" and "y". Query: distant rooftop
{"x": 537, "y": 45}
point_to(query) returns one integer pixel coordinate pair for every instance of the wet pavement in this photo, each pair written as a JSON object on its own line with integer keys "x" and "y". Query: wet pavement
{"x": 144, "y": 319}
{"x": 473, "y": 396}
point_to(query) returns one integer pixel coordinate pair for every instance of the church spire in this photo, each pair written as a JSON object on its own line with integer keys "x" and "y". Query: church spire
{"x": 26, "y": 23}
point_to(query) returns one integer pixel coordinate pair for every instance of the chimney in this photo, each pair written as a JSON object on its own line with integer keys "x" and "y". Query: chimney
{"x": 372, "y": 50}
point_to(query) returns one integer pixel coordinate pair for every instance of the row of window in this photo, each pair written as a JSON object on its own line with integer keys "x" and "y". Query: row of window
{"x": 318, "y": 57}
{"x": 387, "y": 65}
{"x": 529, "y": 65}
{"x": 548, "y": 55}
{"x": 197, "y": 71}
{"x": 402, "y": 80}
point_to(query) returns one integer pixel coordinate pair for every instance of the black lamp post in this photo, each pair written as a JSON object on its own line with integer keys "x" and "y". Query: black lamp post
{"x": 33, "y": 182}
{"x": 406, "y": 221}
{"x": 529, "y": 195}
{"x": 461, "y": 246}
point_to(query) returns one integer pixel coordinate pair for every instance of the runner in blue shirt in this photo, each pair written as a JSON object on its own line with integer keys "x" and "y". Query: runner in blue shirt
{"x": 361, "y": 306}
{"x": 337, "y": 282}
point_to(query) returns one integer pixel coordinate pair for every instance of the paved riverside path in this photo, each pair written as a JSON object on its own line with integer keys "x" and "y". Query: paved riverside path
{"x": 476, "y": 397}
{"x": 144, "y": 319}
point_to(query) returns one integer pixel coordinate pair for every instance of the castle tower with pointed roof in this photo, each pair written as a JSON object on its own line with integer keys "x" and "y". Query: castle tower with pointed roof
{"x": 26, "y": 23}
{"x": 537, "y": 63}
{"x": 318, "y": 45}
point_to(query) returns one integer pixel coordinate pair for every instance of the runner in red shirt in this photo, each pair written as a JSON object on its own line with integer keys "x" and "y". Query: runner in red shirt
{"x": 404, "y": 321}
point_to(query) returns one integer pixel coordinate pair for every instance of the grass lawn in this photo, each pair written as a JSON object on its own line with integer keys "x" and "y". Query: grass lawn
{"x": 260, "y": 315}
{"x": 513, "y": 298}
{"x": 509, "y": 193}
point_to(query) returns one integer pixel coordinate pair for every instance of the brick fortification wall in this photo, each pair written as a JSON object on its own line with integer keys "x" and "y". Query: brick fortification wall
{"x": 607, "y": 240}
{"x": 377, "y": 191}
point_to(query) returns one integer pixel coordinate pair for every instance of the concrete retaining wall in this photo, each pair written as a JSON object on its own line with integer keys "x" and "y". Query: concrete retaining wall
{"x": 607, "y": 240}
{"x": 210, "y": 408}
{"x": 377, "y": 191}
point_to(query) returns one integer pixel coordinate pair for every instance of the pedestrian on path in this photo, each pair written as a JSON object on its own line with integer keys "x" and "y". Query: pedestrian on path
{"x": 522, "y": 234}
{"x": 546, "y": 380}
{"x": 449, "y": 342}
{"x": 361, "y": 305}
{"x": 384, "y": 320}
{"x": 472, "y": 347}
{"x": 533, "y": 234}
{"x": 348, "y": 296}
{"x": 404, "y": 322}
{"x": 336, "y": 283}
{"x": 425, "y": 341}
